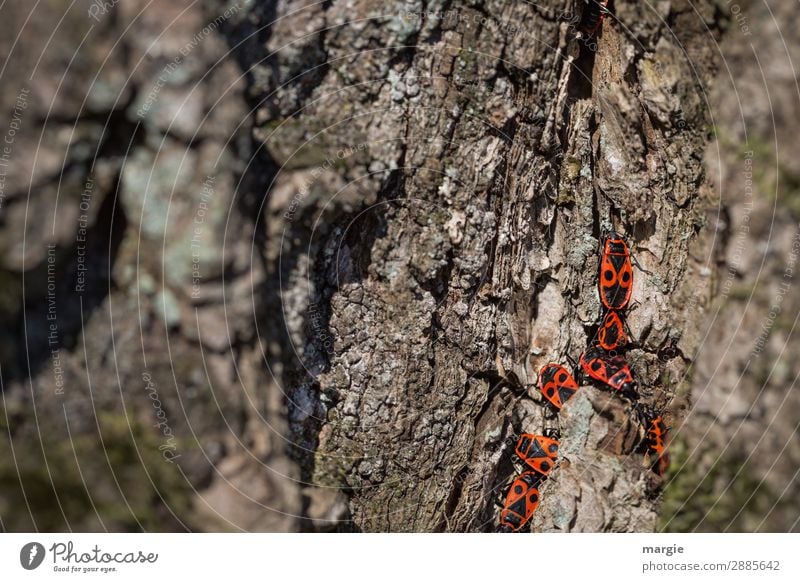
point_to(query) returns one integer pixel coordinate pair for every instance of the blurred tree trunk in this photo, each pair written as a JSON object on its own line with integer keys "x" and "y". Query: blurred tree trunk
{"x": 438, "y": 177}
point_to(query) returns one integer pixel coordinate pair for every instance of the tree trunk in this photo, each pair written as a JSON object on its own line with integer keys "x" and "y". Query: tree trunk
{"x": 441, "y": 175}
{"x": 413, "y": 225}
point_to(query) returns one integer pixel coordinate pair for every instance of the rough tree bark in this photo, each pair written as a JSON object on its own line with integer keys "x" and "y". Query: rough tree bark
{"x": 443, "y": 171}
{"x": 414, "y": 228}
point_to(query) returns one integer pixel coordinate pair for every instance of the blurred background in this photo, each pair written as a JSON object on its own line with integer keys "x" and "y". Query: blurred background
{"x": 153, "y": 299}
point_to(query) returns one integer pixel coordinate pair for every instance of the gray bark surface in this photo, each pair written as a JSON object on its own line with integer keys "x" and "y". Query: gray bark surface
{"x": 425, "y": 277}
{"x": 403, "y": 227}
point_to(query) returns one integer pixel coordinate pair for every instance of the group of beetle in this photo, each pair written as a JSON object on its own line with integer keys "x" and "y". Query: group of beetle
{"x": 601, "y": 363}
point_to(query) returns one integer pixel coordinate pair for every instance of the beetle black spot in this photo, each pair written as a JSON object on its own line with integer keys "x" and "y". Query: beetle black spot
{"x": 545, "y": 466}
{"x": 608, "y": 274}
{"x": 518, "y": 489}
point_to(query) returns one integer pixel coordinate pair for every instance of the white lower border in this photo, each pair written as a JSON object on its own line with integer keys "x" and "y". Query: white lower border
{"x": 434, "y": 557}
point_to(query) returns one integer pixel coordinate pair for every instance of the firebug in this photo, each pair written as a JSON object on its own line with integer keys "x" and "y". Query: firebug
{"x": 616, "y": 273}
{"x": 656, "y": 441}
{"x": 521, "y": 501}
{"x": 610, "y": 370}
{"x": 611, "y": 335}
{"x": 538, "y": 452}
{"x": 556, "y": 384}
